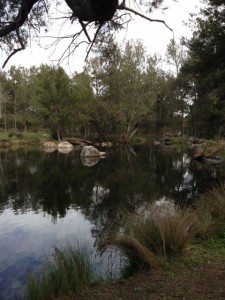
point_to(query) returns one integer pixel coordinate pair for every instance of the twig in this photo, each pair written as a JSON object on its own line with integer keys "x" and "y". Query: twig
{"x": 92, "y": 43}
{"x": 85, "y": 31}
{"x": 123, "y": 7}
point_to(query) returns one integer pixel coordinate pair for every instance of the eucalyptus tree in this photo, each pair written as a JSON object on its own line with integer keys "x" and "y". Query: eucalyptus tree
{"x": 176, "y": 56}
{"x": 55, "y": 102}
{"x": 135, "y": 100}
{"x": 3, "y": 100}
{"x": 82, "y": 98}
{"x": 128, "y": 83}
{"x": 19, "y": 98}
{"x": 205, "y": 69}
{"x": 104, "y": 71}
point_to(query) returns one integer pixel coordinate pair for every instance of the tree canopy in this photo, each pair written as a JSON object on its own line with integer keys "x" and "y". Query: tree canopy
{"x": 205, "y": 70}
{"x": 22, "y": 19}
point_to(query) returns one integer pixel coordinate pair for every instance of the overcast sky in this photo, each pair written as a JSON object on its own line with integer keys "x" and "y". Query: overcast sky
{"x": 155, "y": 37}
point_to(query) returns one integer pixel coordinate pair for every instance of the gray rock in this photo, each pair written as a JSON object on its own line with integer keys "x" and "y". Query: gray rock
{"x": 91, "y": 151}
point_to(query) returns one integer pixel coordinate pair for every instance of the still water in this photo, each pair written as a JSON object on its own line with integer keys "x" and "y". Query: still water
{"x": 49, "y": 198}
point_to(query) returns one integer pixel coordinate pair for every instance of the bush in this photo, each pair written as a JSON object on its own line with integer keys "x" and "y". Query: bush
{"x": 65, "y": 274}
{"x": 15, "y": 134}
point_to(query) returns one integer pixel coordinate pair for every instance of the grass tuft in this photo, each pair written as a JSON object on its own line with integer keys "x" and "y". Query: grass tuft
{"x": 155, "y": 234}
{"x": 66, "y": 273}
{"x": 211, "y": 210}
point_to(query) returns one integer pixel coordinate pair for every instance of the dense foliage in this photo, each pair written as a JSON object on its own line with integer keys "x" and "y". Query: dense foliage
{"x": 205, "y": 70}
{"x": 121, "y": 91}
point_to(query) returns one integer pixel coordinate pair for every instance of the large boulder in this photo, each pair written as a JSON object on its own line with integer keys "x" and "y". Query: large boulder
{"x": 91, "y": 151}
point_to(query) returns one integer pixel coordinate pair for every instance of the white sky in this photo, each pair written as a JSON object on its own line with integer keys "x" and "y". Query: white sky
{"x": 155, "y": 37}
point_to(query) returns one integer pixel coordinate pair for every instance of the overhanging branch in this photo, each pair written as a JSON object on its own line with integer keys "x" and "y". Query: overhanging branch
{"x": 22, "y": 15}
{"x": 123, "y": 7}
{"x": 22, "y": 47}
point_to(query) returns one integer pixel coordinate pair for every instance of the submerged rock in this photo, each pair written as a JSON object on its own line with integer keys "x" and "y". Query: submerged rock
{"x": 89, "y": 161}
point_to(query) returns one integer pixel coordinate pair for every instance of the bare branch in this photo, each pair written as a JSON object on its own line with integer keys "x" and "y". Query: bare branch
{"x": 123, "y": 7}
{"x": 15, "y": 50}
{"x": 84, "y": 29}
{"x": 92, "y": 43}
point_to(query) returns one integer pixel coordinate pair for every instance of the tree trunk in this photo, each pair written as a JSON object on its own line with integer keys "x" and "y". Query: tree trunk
{"x": 1, "y": 100}
{"x": 58, "y": 135}
{"x": 15, "y": 111}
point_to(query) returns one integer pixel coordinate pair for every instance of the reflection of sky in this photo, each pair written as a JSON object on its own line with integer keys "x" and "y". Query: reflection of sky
{"x": 26, "y": 238}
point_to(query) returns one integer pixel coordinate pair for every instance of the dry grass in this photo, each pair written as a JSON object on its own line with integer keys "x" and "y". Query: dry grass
{"x": 211, "y": 209}
{"x": 155, "y": 234}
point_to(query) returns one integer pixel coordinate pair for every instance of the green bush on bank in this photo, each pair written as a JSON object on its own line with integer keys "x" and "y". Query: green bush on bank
{"x": 17, "y": 137}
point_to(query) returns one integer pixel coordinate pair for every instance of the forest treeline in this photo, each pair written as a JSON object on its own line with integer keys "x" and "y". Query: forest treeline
{"x": 125, "y": 91}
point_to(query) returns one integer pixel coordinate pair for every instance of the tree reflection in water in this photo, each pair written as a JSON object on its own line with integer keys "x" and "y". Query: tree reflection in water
{"x": 55, "y": 183}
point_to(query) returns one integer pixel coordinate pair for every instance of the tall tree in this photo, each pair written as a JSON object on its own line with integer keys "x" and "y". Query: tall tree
{"x": 176, "y": 56}
{"x": 206, "y": 68}
{"x": 82, "y": 99}
{"x": 55, "y": 99}
{"x": 19, "y": 96}
{"x": 128, "y": 83}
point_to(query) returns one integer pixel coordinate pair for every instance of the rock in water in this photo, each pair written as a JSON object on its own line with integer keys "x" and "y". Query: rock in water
{"x": 65, "y": 145}
{"x": 50, "y": 145}
{"x": 91, "y": 151}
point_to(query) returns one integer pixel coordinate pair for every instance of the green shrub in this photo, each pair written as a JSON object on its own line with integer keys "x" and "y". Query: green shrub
{"x": 15, "y": 134}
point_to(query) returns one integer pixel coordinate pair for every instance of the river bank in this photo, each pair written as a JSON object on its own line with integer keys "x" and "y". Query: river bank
{"x": 200, "y": 274}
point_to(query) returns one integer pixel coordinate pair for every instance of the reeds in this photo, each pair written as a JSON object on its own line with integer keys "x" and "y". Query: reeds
{"x": 66, "y": 273}
{"x": 157, "y": 233}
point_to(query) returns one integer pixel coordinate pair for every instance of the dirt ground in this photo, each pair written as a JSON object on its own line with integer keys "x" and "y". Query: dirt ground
{"x": 192, "y": 281}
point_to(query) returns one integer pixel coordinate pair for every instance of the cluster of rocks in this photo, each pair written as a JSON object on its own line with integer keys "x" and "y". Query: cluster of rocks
{"x": 89, "y": 154}
{"x": 166, "y": 138}
{"x": 67, "y": 145}
{"x": 64, "y": 147}
{"x": 80, "y": 142}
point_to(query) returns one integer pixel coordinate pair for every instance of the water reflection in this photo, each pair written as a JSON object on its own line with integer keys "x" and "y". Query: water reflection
{"x": 90, "y": 161}
{"x": 46, "y": 197}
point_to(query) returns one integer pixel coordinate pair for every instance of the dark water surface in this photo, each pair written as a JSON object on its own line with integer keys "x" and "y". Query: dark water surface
{"x": 46, "y": 198}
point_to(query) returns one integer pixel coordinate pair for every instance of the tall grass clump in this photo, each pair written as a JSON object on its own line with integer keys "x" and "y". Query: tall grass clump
{"x": 66, "y": 273}
{"x": 157, "y": 233}
{"x": 210, "y": 208}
